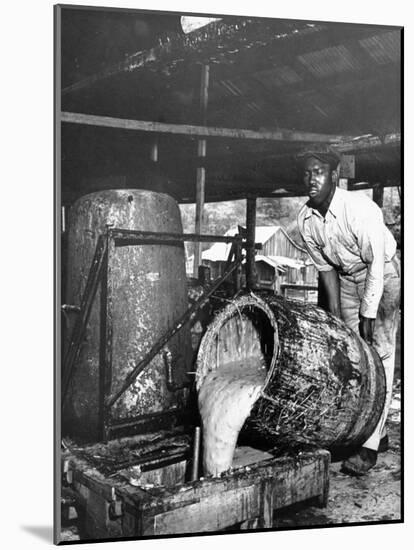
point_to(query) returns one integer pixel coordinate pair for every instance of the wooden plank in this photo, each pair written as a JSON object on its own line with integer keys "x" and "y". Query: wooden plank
{"x": 203, "y": 131}
{"x": 210, "y": 514}
{"x": 247, "y": 497}
{"x": 299, "y": 484}
{"x": 275, "y": 467}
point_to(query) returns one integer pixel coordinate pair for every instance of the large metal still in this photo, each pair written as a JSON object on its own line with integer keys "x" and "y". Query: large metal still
{"x": 148, "y": 293}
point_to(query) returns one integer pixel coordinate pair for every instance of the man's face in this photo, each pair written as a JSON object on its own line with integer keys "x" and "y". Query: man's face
{"x": 318, "y": 180}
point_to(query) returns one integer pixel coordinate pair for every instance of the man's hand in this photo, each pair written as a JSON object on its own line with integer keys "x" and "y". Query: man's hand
{"x": 366, "y": 329}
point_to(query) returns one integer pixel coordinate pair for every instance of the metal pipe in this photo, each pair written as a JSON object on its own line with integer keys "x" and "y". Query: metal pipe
{"x": 196, "y": 454}
{"x": 142, "y": 236}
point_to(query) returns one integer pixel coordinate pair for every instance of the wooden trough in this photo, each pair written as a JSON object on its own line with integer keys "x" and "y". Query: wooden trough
{"x": 152, "y": 495}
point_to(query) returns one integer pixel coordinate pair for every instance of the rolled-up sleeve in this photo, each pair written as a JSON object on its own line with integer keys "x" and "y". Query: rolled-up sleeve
{"x": 368, "y": 228}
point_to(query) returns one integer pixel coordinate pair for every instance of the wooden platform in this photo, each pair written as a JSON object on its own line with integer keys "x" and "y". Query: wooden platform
{"x": 139, "y": 503}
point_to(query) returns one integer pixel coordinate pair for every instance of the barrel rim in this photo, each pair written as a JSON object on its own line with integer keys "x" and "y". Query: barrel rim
{"x": 234, "y": 308}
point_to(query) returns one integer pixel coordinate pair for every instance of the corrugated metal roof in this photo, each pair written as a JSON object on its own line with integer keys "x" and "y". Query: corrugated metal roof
{"x": 326, "y": 78}
{"x": 383, "y": 48}
{"x": 278, "y": 76}
{"x": 330, "y": 61}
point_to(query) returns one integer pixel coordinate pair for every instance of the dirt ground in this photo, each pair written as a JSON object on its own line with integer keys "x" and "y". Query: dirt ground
{"x": 373, "y": 497}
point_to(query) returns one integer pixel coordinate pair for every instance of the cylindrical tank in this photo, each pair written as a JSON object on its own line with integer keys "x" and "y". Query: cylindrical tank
{"x": 323, "y": 386}
{"x": 149, "y": 294}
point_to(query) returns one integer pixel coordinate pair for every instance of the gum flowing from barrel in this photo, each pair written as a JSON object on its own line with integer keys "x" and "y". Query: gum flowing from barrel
{"x": 225, "y": 400}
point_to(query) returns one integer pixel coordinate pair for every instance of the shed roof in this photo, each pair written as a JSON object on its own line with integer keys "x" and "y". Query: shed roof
{"x": 280, "y": 261}
{"x": 314, "y": 83}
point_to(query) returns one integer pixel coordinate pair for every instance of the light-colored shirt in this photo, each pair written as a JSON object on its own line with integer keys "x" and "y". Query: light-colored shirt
{"x": 351, "y": 238}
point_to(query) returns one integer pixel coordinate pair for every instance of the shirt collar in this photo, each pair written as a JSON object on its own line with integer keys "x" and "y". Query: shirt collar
{"x": 333, "y": 207}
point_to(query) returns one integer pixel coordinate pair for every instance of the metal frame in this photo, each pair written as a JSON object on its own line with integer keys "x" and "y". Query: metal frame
{"x": 101, "y": 273}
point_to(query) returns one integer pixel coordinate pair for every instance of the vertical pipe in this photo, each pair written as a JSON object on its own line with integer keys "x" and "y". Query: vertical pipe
{"x": 201, "y": 171}
{"x": 250, "y": 243}
{"x": 196, "y": 454}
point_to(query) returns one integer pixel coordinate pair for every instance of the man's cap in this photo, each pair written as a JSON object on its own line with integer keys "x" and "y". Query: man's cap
{"x": 328, "y": 157}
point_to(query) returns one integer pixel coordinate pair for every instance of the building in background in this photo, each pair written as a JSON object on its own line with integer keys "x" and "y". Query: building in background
{"x": 282, "y": 265}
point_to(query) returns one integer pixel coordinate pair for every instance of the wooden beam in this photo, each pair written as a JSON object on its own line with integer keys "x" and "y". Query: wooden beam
{"x": 341, "y": 143}
{"x": 366, "y": 185}
{"x": 362, "y": 143}
{"x": 204, "y": 131}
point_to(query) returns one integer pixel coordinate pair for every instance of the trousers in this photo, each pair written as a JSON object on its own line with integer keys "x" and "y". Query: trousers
{"x": 385, "y": 332}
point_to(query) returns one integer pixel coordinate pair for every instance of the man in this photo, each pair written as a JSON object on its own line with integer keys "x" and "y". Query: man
{"x": 354, "y": 253}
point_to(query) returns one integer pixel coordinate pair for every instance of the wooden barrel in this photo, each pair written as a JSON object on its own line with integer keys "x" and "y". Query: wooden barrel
{"x": 149, "y": 294}
{"x": 324, "y": 385}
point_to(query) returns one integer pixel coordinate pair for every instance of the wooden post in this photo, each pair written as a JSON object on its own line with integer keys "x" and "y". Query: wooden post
{"x": 250, "y": 242}
{"x": 201, "y": 171}
{"x": 238, "y": 273}
{"x": 378, "y": 195}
